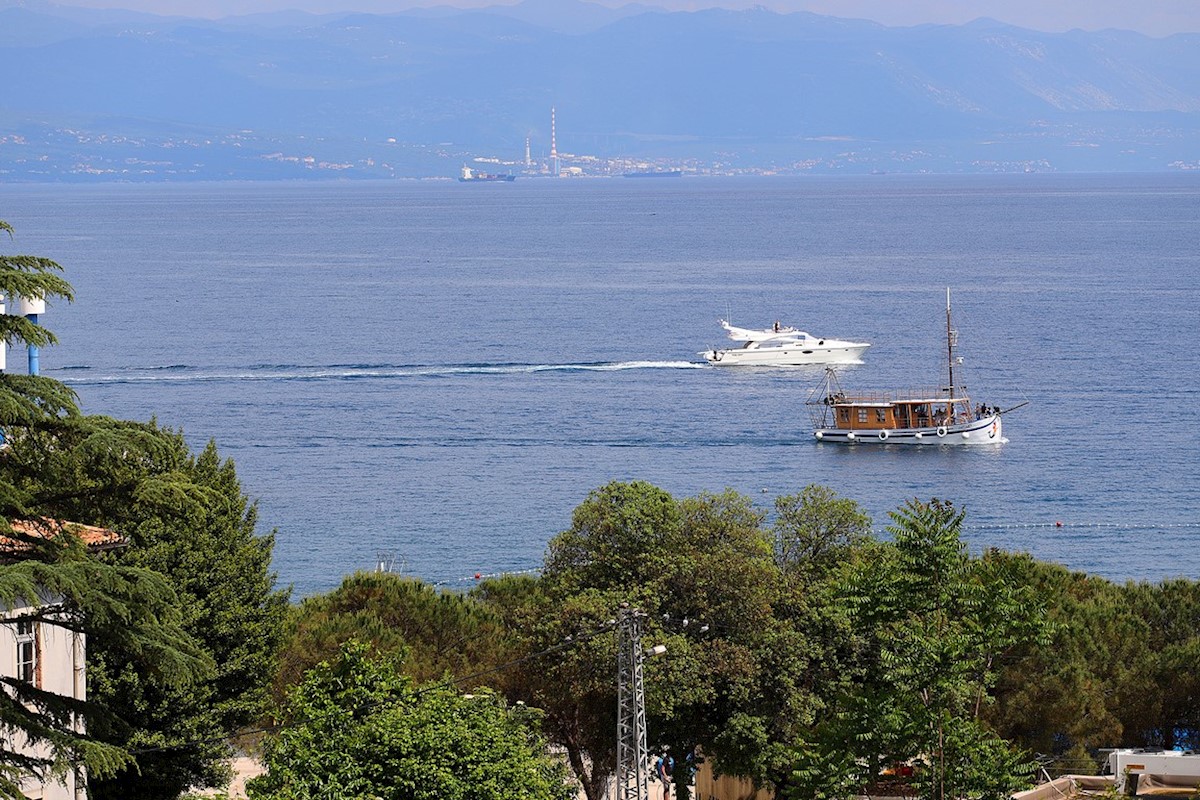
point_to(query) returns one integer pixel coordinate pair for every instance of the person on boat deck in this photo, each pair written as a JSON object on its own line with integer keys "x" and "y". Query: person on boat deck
{"x": 776, "y": 326}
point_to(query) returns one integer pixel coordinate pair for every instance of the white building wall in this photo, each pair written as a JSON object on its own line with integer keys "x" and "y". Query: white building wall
{"x": 59, "y": 667}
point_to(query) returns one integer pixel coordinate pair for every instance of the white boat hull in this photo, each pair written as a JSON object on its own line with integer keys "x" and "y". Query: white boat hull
{"x": 788, "y": 356}
{"x": 983, "y": 431}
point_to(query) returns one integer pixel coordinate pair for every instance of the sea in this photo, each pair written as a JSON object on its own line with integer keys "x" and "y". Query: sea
{"x": 430, "y": 376}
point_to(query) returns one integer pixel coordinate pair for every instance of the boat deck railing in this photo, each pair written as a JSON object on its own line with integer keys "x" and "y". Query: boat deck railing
{"x": 901, "y": 396}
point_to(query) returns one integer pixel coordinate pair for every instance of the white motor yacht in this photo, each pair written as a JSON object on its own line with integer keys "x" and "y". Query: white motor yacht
{"x": 782, "y": 346}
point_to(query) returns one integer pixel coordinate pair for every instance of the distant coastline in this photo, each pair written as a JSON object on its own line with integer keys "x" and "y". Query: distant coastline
{"x": 106, "y": 96}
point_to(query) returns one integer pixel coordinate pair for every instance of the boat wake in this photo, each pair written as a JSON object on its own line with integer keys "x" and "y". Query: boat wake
{"x": 179, "y": 373}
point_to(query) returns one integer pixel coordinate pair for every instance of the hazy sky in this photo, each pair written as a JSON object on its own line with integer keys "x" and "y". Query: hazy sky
{"x": 1153, "y": 17}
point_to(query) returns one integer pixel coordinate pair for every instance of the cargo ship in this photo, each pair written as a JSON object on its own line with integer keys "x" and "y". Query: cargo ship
{"x": 471, "y": 176}
{"x": 659, "y": 173}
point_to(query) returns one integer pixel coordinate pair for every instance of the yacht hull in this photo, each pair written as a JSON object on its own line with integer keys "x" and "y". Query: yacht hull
{"x": 986, "y": 430}
{"x": 787, "y": 356}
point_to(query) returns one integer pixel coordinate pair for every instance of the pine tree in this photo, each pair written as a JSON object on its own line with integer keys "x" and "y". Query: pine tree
{"x": 42, "y": 734}
{"x": 191, "y": 527}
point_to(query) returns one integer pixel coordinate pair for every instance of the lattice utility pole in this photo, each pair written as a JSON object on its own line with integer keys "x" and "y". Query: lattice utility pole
{"x": 633, "y": 761}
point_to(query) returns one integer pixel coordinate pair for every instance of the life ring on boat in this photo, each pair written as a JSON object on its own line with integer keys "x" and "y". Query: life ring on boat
{"x": 883, "y": 436}
{"x": 941, "y": 431}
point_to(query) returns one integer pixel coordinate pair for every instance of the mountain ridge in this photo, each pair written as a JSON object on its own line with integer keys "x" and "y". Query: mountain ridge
{"x": 474, "y": 83}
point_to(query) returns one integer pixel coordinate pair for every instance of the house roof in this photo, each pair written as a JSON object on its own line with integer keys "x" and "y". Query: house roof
{"x": 94, "y": 538}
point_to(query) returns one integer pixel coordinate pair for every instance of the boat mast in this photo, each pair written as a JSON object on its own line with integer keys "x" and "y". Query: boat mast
{"x": 950, "y": 335}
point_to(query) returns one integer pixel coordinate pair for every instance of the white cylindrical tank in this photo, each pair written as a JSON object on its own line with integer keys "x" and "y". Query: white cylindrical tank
{"x": 31, "y": 308}
{"x": 24, "y": 306}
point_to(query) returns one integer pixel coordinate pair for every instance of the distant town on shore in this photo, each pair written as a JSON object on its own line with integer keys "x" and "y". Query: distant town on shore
{"x": 96, "y": 95}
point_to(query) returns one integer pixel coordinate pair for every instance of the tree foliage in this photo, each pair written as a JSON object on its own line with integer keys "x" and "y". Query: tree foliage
{"x": 933, "y": 625}
{"x": 355, "y": 727}
{"x": 738, "y": 678}
{"x": 191, "y": 534}
{"x": 1116, "y": 670}
{"x": 1171, "y": 613}
{"x": 815, "y": 531}
{"x": 437, "y": 633}
{"x": 815, "y": 658}
{"x": 186, "y": 518}
{"x": 135, "y": 609}
{"x": 575, "y": 688}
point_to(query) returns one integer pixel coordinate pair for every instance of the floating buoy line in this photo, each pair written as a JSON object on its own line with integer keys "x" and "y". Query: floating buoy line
{"x": 479, "y": 576}
{"x": 1058, "y": 524}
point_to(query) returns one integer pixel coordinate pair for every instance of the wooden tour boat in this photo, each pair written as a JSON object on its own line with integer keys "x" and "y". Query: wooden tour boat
{"x": 943, "y": 416}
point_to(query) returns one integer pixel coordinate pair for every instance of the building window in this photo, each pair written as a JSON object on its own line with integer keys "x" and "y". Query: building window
{"x": 26, "y": 652}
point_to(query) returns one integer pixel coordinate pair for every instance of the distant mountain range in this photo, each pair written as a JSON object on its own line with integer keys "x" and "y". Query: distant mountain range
{"x": 92, "y": 95}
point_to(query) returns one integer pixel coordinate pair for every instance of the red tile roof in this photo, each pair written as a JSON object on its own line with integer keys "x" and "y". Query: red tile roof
{"x": 93, "y": 537}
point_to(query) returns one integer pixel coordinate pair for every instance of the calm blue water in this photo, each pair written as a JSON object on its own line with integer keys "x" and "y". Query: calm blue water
{"x": 442, "y": 371}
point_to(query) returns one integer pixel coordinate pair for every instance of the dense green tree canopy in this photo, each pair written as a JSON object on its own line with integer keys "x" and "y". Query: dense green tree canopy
{"x": 133, "y": 608}
{"x": 186, "y": 518}
{"x": 933, "y": 624}
{"x": 356, "y": 728}
{"x": 1116, "y": 670}
{"x": 737, "y": 680}
{"x": 437, "y": 632}
{"x": 815, "y": 531}
{"x": 815, "y": 657}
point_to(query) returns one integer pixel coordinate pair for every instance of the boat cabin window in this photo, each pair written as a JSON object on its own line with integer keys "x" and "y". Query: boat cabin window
{"x": 862, "y": 415}
{"x": 844, "y": 414}
{"x": 881, "y": 415}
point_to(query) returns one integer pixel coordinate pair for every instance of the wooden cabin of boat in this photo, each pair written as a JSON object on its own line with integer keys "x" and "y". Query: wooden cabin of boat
{"x": 884, "y": 412}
